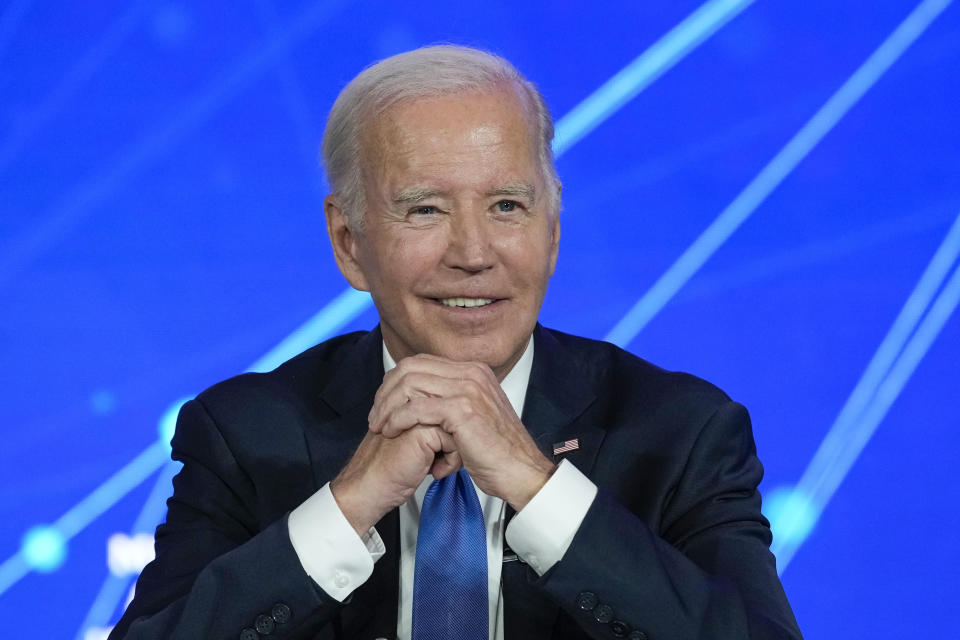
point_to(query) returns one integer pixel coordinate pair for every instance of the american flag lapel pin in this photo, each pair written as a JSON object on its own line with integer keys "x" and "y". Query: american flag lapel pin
{"x": 566, "y": 446}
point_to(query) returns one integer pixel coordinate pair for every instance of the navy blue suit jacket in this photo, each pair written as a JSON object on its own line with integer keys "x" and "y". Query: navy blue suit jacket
{"x": 673, "y": 547}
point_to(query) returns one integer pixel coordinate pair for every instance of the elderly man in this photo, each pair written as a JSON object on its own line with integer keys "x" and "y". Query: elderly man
{"x": 328, "y": 499}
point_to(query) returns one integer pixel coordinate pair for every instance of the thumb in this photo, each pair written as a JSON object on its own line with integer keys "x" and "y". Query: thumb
{"x": 445, "y": 465}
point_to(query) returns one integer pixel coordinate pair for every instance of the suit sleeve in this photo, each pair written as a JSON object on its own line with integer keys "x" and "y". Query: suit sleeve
{"x": 217, "y": 572}
{"x": 707, "y": 571}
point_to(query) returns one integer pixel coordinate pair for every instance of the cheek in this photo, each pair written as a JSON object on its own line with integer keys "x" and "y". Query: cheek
{"x": 530, "y": 256}
{"x": 409, "y": 256}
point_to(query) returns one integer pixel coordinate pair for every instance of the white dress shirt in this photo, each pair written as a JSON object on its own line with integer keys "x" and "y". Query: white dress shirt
{"x": 339, "y": 560}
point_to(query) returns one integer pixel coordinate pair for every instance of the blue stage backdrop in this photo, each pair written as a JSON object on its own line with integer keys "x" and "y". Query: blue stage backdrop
{"x": 766, "y": 194}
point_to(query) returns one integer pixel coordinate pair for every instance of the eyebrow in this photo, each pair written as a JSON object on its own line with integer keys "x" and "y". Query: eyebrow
{"x": 516, "y": 190}
{"x": 414, "y": 195}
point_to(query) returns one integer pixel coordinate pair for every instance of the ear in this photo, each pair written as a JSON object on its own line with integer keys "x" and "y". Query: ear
{"x": 344, "y": 241}
{"x": 555, "y": 234}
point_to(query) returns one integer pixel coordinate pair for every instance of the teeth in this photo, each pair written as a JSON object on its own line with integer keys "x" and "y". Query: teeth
{"x": 465, "y": 302}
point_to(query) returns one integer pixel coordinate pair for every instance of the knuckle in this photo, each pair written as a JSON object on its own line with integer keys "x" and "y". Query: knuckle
{"x": 414, "y": 379}
{"x": 413, "y": 408}
{"x": 386, "y": 425}
{"x": 471, "y": 386}
{"x": 489, "y": 376}
{"x": 482, "y": 375}
{"x": 465, "y": 406}
{"x": 476, "y": 370}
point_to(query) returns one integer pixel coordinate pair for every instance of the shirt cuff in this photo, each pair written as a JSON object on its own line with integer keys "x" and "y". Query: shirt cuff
{"x": 542, "y": 531}
{"x": 329, "y": 549}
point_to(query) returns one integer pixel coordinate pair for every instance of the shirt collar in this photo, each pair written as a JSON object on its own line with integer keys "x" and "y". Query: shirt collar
{"x": 514, "y": 385}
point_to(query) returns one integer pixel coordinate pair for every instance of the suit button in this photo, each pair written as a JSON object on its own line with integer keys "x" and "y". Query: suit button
{"x": 280, "y": 613}
{"x": 586, "y": 601}
{"x": 637, "y": 635}
{"x": 619, "y": 628}
{"x": 249, "y": 634}
{"x": 603, "y": 613}
{"x": 264, "y": 625}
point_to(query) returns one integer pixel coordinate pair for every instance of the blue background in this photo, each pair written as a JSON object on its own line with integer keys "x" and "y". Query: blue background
{"x": 161, "y": 229}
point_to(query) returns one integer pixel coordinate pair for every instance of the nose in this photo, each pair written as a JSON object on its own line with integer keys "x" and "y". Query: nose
{"x": 470, "y": 243}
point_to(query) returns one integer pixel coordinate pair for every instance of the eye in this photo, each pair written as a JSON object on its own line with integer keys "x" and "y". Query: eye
{"x": 507, "y": 206}
{"x": 424, "y": 210}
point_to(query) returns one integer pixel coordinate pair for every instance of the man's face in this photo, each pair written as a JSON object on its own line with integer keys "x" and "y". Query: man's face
{"x": 458, "y": 240}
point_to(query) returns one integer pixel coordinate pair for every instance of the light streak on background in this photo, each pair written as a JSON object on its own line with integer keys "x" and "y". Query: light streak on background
{"x": 86, "y": 66}
{"x": 773, "y": 174}
{"x": 884, "y": 378}
{"x": 12, "y": 570}
{"x": 115, "y": 587}
{"x": 645, "y": 68}
{"x": 59, "y": 221}
{"x": 337, "y": 313}
{"x": 92, "y": 506}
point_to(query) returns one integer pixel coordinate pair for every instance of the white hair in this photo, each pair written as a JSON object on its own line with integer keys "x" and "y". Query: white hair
{"x": 425, "y": 72}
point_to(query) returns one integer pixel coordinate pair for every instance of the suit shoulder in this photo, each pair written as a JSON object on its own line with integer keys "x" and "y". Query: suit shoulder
{"x": 308, "y": 370}
{"x": 624, "y": 373}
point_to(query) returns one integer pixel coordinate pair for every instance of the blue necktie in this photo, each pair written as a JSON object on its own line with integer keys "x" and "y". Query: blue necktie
{"x": 450, "y": 575}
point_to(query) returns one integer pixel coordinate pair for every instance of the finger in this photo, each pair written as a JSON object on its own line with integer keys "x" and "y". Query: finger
{"x": 444, "y": 413}
{"x": 446, "y": 464}
{"x": 415, "y": 386}
{"x": 434, "y": 440}
{"x": 451, "y": 368}
{"x": 477, "y": 372}
{"x": 414, "y": 365}
{"x": 386, "y": 399}
{"x": 437, "y": 366}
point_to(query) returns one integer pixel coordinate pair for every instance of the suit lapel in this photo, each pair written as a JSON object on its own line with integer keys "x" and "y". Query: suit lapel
{"x": 561, "y": 389}
{"x": 349, "y": 393}
{"x": 556, "y": 399}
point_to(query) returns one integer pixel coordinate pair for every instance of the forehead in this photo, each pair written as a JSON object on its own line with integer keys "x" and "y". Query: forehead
{"x": 477, "y": 134}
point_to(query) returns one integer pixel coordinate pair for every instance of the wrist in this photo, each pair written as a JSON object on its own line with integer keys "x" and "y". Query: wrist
{"x": 359, "y": 511}
{"x": 530, "y": 486}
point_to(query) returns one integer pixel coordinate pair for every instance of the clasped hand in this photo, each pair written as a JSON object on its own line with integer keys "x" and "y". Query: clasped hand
{"x": 433, "y": 415}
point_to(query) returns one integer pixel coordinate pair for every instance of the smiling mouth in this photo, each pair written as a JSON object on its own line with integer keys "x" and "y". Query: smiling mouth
{"x": 467, "y": 303}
